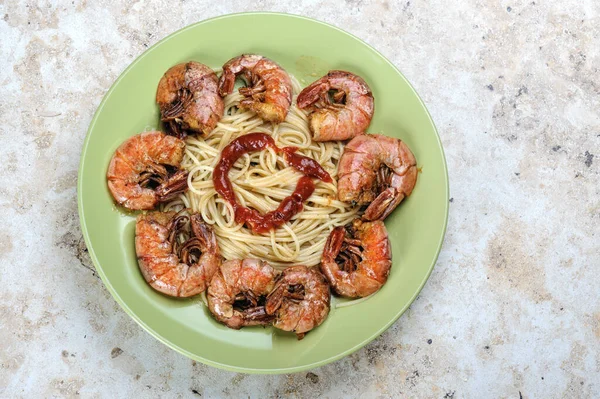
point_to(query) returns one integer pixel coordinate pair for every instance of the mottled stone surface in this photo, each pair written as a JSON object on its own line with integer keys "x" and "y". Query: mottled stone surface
{"x": 512, "y": 308}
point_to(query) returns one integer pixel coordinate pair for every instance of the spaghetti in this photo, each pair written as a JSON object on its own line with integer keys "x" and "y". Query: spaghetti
{"x": 261, "y": 180}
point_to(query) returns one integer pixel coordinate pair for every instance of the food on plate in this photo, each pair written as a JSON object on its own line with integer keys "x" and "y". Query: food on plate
{"x": 299, "y": 301}
{"x": 340, "y": 104}
{"x": 260, "y": 181}
{"x": 237, "y": 293}
{"x": 357, "y": 258}
{"x": 144, "y": 170}
{"x": 188, "y": 99}
{"x": 290, "y": 205}
{"x": 268, "y": 90}
{"x": 172, "y": 265}
{"x": 263, "y": 205}
{"x": 378, "y": 171}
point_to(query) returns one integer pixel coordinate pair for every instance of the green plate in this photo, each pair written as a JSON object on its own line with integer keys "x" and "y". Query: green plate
{"x": 307, "y": 49}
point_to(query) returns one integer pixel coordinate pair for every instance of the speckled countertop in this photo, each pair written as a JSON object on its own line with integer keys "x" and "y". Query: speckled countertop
{"x": 512, "y": 308}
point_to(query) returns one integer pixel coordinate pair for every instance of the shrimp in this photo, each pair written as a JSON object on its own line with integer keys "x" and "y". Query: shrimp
{"x": 188, "y": 99}
{"x": 269, "y": 87}
{"x": 377, "y": 170}
{"x": 357, "y": 258}
{"x": 341, "y": 106}
{"x": 300, "y": 300}
{"x": 175, "y": 268}
{"x": 144, "y": 170}
{"x": 237, "y": 293}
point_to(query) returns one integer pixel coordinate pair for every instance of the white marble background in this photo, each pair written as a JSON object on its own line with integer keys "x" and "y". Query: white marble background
{"x": 512, "y": 308}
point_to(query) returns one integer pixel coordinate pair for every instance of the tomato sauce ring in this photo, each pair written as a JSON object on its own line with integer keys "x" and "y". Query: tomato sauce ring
{"x": 290, "y": 205}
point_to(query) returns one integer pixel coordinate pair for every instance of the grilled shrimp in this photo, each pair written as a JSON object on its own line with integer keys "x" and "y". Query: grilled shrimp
{"x": 340, "y": 104}
{"x": 299, "y": 301}
{"x": 268, "y": 90}
{"x": 175, "y": 268}
{"x": 357, "y": 258}
{"x": 377, "y": 170}
{"x": 237, "y": 293}
{"x": 144, "y": 170}
{"x": 189, "y": 100}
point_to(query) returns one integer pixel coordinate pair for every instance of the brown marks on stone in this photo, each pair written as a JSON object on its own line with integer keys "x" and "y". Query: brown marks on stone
{"x": 44, "y": 16}
{"x": 67, "y": 357}
{"x": 237, "y": 379}
{"x": 377, "y": 351}
{"x": 116, "y": 352}
{"x": 10, "y": 363}
{"x": 23, "y": 198}
{"x": 76, "y": 246}
{"x": 593, "y": 321}
{"x": 97, "y": 317}
{"x": 17, "y": 320}
{"x": 574, "y": 366}
{"x": 29, "y": 67}
{"x": 129, "y": 365}
{"x": 65, "y": 182}
{"x": 412, "y": 378}
{"x": 33, "y": 86}
{"x": 44, "y": 140}
{"x": 512, "y": 266}
{"x": 10, "y": 164}
{"x": 66, "y": 387}
{"x": 312, "y": 377}
{"x": 6, "y": 244}
{"x": 81, "y": 5}
{"x": 127, "y": 328}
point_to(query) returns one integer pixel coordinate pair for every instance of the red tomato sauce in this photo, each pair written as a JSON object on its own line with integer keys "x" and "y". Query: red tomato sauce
{"x": 290, "y": 205}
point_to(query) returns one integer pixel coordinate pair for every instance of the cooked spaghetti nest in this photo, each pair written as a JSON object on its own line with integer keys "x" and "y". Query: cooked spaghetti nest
{"x": 261, "y": 180}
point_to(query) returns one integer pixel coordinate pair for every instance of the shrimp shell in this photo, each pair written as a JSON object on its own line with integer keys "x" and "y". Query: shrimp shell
{"x": 330, "y": 121}
{"x": 146, "y": 154}
{"x": 188, "y": 98}
{"x": 269, "y": 87}
{"x": 250, "y": 278}
{"x": 373, "y": 268}
{"x": 161, "y": 267}
{"x": 300, "y": 300}
{"x": 359, "y": 177}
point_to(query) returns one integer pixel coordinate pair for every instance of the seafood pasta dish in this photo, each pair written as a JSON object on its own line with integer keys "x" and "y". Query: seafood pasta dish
{"x": 260, "y": 196}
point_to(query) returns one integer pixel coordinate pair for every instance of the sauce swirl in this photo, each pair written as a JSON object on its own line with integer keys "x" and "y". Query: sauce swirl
{"x": 290, "y": 205}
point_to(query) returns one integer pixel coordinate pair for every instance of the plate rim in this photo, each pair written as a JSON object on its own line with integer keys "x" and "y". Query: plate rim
{"x": 148, "y": 329}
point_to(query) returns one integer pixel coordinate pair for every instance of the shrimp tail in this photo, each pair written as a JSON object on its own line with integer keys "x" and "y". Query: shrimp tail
{"x": 174, "y": 185}
{"x": 333, "y": 246}
{"x": 257, "y": 316}
{"x": 311, "y": 94}
{"x": 275, "y": 298}
{"x": 227, "y": 82}
{"x": 204, "y": 233}
{"x": 383, "y": 205}
{"x": 334, "y": 243}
